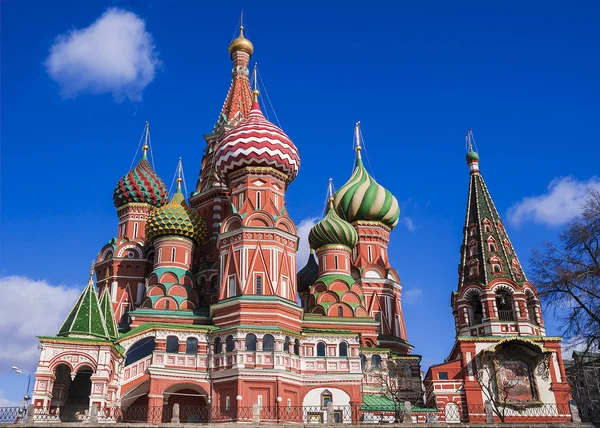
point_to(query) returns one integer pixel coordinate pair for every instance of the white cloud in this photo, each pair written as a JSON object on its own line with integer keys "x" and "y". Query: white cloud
{"x": 303, "y": 247}
{"x": 560, "y": 204}
{"x": 409, "y": 223}
{"x": 114, "y": 55}
{"x": 5, "y": 402}
{"x": 412, "y": 295}
{"x": 29, "y": 308}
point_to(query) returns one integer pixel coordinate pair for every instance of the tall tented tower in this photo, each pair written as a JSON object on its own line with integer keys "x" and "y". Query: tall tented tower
{"x": 500, "y": 332}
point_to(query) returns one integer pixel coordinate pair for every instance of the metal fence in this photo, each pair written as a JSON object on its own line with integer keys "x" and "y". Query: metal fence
{"x": 542, "y": 414}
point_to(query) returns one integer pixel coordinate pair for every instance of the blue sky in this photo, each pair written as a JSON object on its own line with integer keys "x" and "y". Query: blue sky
{"x": 418, "y": 75}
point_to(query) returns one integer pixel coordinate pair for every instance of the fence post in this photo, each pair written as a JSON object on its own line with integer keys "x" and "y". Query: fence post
{"x": 256, "y": 413}
{"x": 407, "y": 418}
{"x": 94, "y": 414}
{"x": 330, "y": 416}
{"x": 30, "y": 414}
{"x": 575, "y": 417}
{"x": 489, "y": 412}
{"x": 175, "y": 417}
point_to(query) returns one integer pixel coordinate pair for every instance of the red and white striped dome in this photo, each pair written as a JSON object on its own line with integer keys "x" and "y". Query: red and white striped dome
{"x": 257, "y": 142}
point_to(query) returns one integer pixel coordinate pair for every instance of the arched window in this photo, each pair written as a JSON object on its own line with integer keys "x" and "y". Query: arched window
{"x": 229, "y": 343}
{"x": 232, "y": 289}
{"x": 473, "y": 249}
{"x": 476, "y": 308}
{"x": 531, "y": 305}
{"x": 376, "y": 361}
{"x": 191, "y": 346}
{"x": 286, "y": 344}
{"x": 218, "y": 346}
{"x": 340, "y": 311}
{"x": 140, "y": 349}
{"x": 268, "y": 343}
{"x": 250, "y": 342}
{"x": 492, "y": 247}
{"x": 343, "y": 349}
{"x": 473, "y": 268}
{"x": 297, "y": 347}
{"x": 172, "y": 344}
{"x": 487, "y": 228}
{"x": 377, "y": 317}
{"x": 321, "y": 349}
{"x": 167, "y": 304}
{"x": 504, "y": 303}
{"x": 258, "y": 284}
{"x": 363, "y": 362}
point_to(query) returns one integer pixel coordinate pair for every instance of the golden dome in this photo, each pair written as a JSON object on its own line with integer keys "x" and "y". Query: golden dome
{"x": 241, "y": 44}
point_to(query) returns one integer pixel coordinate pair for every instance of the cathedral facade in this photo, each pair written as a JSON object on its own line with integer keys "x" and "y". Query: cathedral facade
{"x": 197, "y": 301}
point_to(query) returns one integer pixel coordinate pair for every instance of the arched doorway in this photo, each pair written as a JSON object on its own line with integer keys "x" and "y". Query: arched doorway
{"x": 71, "y": 392}
{"x": 192, "y": 400}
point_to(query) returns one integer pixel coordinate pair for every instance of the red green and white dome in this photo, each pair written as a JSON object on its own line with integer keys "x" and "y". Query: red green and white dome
{"x": 141, "y": 185}
{"x": 363, "y": 199}
{"x": 256, "y": 142}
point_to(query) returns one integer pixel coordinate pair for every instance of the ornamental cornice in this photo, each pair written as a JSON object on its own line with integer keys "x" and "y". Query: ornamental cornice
{"x": 330, "y": 247}
{"x": 372, "y": 224}
{"x": 258, "y": 170}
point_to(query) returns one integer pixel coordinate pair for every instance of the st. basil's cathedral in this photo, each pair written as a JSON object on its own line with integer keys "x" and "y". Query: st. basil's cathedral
{"x": 197, "y": 302}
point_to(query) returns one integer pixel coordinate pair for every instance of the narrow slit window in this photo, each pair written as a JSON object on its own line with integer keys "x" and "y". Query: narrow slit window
{"x": 258, "y": 200}
{"x": 173, "y": 254}
{"x": 135, "y": 230}
{"x": 258, "y": 284}
{"x": 335, "y": 262}
{"x": 370, "y": 253}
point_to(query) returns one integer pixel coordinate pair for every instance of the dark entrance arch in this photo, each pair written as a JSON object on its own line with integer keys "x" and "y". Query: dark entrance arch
{"x": 71, "y": 392}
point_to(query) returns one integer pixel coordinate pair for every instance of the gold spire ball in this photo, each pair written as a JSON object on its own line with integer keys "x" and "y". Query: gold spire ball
{"x": 241, "y": 44}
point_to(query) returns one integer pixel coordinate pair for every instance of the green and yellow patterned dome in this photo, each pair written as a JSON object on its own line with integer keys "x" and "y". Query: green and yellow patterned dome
{"x": 332, "y": 230}
{"x": 361, "y": 198}
{"x": 176, "y": 218}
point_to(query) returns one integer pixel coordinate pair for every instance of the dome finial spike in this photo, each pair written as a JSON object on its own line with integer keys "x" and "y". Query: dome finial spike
{"x": 242, "y": 23}
{"x": 145, "y": 147}
{"x": 255, "y": 92}
{"x": 357, "y": 145}
{"x": 330, "y": 194}
{"x": 92, "y": 271}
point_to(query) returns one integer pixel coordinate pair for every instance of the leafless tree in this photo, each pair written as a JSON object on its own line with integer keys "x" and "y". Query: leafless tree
{"x": 497, "y": 391}
{"x": 567, "y": 275}
{"x": 396, "y": 382}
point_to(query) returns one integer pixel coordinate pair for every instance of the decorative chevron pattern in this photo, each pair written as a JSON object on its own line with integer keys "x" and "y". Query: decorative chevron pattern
{"x": 176, "y": 218}
{"x": 361, "y": 198}
{"x": 332, "y": 230}
{"x": 142, "y": 185}
{"x": 257, "y": 142}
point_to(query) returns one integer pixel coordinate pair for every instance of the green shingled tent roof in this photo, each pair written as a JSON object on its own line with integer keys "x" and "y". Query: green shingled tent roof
{"x": 108, "y": 315}
{"x": 85, "y": 319}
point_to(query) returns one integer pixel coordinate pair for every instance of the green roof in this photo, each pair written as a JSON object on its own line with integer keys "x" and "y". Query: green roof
{"x": 108, "y": 314}
{"x": 383, "y": 403}
{"x": 85, "y": 319}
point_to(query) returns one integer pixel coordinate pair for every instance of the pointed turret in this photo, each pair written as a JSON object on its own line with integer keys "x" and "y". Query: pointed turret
{"x": 108, "y": 314}
{"x": 85, "y": 319}
{"x": 486, "y": 251}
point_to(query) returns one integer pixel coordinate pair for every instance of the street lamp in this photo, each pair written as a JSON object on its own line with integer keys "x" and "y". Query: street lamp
{"x": 25, "y": 372}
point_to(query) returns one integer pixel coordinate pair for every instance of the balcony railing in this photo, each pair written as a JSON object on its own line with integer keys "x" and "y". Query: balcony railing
{"x": 506, "y": 315}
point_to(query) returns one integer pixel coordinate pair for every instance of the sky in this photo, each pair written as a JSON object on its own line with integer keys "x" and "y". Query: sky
{"x": 80, "y": 79}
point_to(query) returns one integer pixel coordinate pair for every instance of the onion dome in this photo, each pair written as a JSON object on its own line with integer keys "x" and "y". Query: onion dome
{"x": 332, "y": 230}
{"x": 141, "y": 185}
{"x": 176, "y": 218}
{"x": 308, "y": 274}
{"x": 361, "y": 198}
{"x": 256, "y": 142}
{"x": 240, "y": 43}
{"x": 472, "y": 156}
